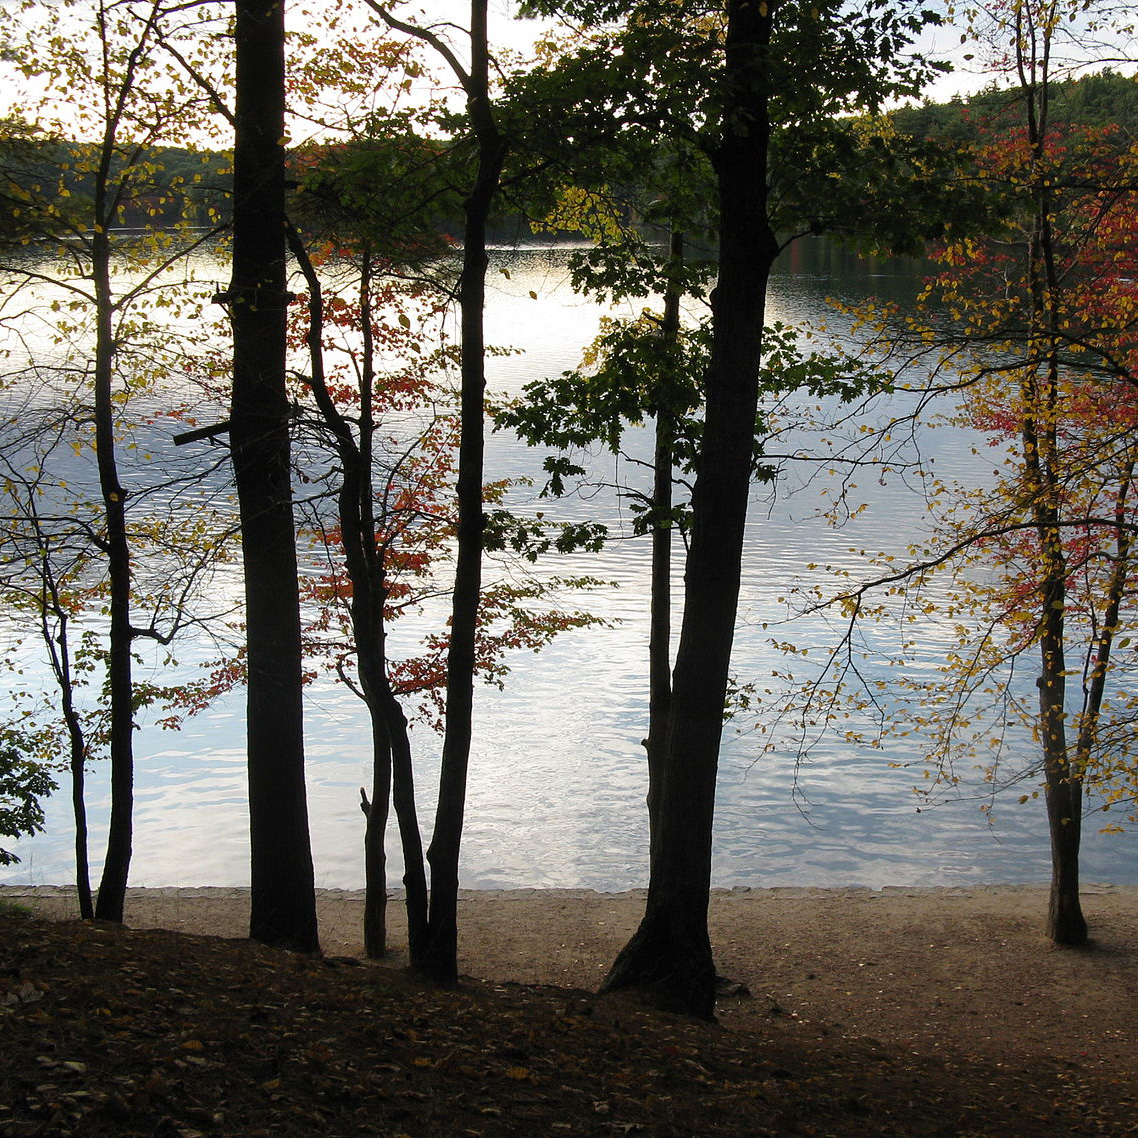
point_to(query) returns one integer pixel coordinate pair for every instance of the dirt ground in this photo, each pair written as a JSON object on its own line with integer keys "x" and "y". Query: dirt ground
{"x": 894, "y": 1012}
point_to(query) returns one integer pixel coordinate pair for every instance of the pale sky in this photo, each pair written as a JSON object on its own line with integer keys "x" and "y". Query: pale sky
{"x": 508, "y": 32}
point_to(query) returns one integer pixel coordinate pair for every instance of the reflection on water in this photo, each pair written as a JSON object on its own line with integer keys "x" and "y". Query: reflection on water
{"x": 558, "y": 771}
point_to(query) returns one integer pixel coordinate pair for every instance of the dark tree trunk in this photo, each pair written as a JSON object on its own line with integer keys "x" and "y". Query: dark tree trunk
{"x": 58, "y": 643}
{"x": 393, "y": 780}
{"x": 669, "y": 958}
{"x": 1065, "y": 921}
{"x": 660, "y": 620}
{"x": 392, "y": 774}
{"x": 388, "y": 716}
{"x": 78, "y": 752}
{"x": 375, "y": 854}
{"x": 283, "y": 893}
{"x": 369, "y": 592}
{"x": 411, "y": 841}
{"x": 393, "y": 769}
{"x": 116, "y": 867}
{"x": 79, "y": 813}
{"x": 114, "y": 542}
{"x": 439, "y": 957}
{"x": 1063, "y": 783}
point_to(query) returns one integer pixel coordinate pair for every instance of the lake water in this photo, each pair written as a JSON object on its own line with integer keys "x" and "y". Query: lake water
{"x": 558, "y": 775}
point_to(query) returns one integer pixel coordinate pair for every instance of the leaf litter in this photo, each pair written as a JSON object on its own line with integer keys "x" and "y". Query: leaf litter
{"x": 108, "y": 1031}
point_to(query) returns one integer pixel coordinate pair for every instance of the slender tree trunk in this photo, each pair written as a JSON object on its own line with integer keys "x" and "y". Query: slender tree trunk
{"x": 439, "y": 958}
{"x": 1063, "y": 783}
{"x": 369, "y": 593}
{"x": 78, "y": 758}
{"x": 395, "y": 768}
{"x": 669, "y": 958}
{"x": 283, "y": 894}
{"x": 79, "y": 813}
{"x": 58, "y": 643}
{"x": 116, "y": 867}
{"x": 392, "y": 775}
{"x": 1094, "y": 689}
{"x": 114, "y": 540}
{"x": 660, "y": 616}
{"x": 410, "y": 838}
{"x": 375, "y": 835}
{"x": 364, "y": 564}
{"x": 401, "y": 784}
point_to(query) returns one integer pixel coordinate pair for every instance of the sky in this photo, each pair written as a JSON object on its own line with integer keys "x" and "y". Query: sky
{"x": 518, "y": 35}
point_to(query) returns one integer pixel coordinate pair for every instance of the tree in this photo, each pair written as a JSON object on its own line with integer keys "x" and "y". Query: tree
{"x": 1071, "y": 480}
{"x": 1041, "y": 340}
{"x": 440, "y": 955}
{"x": 371, "y": 201}
{"x": 283, "y": 894}
{"x": 649, "y": 367}
{"x": 646, "y": 367}
{"x": 370, "y": 545}
{"x": 732, "y": 94}
{"x": 669, "y": 958}
{"x": 439, "y": 958}
{"x": 101, "y": 81}
{"x": 54, "y": 597}
{"x": 391, "y": 534}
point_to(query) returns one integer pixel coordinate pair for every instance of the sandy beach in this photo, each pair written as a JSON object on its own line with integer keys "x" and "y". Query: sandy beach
{"x": 968, "y": 969}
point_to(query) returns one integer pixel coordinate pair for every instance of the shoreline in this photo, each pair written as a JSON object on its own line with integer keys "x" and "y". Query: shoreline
{"x": 520, "y": 893}
{"x": 534, "y": 935}
{"x": 936, "y": 968}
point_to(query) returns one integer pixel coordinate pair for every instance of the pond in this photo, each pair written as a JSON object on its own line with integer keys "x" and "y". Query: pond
{"x": 558, "y": 775}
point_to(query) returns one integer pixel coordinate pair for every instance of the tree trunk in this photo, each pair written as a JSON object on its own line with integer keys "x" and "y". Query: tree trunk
{"x": 1063, "y": 784}
{"x": 58, "y": 644}
{"x": 375, "y": 834}
{"x": 439, "y": 958}
{"x": 283, "y": 894}
{"x": 78, "y": 755}
{"x": 116, "y": 866}
{"x": 79, "y": 813}
{"x": 393, "y": 769}
{"x": 369, "y": 592}
{"x": 669, "y": 959}
{"x": 392, "y": 773}
{"x": 411, "y": 840}
{"x": 660, "y": 619}
{"x": 394, "y": 780}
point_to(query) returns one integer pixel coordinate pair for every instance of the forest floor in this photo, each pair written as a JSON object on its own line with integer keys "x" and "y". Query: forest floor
{"x": 948, "y": 1016}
